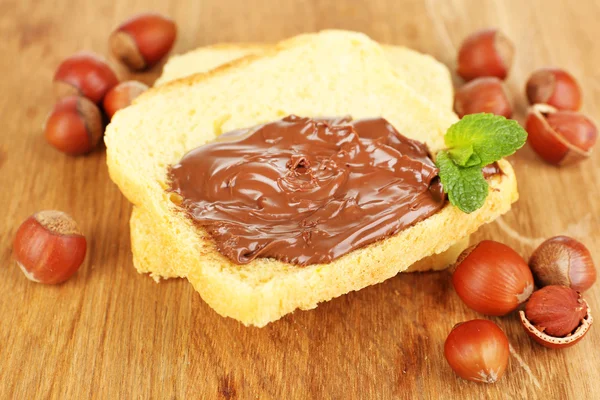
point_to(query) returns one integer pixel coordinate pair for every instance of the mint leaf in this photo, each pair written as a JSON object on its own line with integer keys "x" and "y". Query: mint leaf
{"x": 491, "y": 137}
{"x": 474, "y": 142}
{"x": 464, "y": 156}
{"x": 466, "y": 187}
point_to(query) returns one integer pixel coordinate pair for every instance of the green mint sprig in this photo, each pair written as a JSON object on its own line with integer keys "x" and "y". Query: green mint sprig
{"x": 474, "y": 142}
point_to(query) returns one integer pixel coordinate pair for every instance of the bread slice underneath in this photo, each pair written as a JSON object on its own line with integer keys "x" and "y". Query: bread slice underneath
{"x": 429, "y": 77}
{"x": 330, "y": 73}
{"x": 204, "y": 59}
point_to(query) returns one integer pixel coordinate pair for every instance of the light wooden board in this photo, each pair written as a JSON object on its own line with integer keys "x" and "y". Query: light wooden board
{"x": 111, "y": 333}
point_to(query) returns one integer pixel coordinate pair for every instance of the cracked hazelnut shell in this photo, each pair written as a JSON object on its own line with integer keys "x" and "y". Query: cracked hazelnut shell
{"x": 556, "y": 317}
{"x": 560, "y": 137}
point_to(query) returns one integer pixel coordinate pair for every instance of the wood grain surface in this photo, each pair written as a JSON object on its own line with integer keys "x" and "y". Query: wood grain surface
{"x": 110, "y": 333}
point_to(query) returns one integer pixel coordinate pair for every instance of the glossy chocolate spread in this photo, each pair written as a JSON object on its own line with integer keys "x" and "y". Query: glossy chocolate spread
{"x": 307, "y": 191}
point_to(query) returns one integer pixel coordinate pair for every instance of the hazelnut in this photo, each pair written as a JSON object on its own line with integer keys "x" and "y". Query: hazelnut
{"x": 485, "y": 53}
{"x": 143, "y": 40}
{"x": 122, "y": 95}
{"x": 49, "y": 247}
{"x": 477, "y": 351}
{"x": 84, "y": 74}
{"x": 556, "y": 316}
{"x": 482, "y": 95}
{"x": 562, "y": 260}
{"x": 74, "y": 126}
{"x": 492, "y": 279}
{"x": 554, "y": 87}
{"x": 560, "y": 137}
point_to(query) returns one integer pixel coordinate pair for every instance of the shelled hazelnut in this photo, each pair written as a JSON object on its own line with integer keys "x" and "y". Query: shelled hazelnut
{"x": 556, "y": 316}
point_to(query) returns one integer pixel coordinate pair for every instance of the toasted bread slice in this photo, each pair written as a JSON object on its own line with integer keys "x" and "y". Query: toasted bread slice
{"x": 429, "y": 77}
{"x": 329, "y": 73}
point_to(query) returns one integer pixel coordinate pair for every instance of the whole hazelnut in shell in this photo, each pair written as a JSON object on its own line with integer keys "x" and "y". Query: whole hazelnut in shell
{"x": 555, "y": 87}
{"x": 492, "y": 279}
{"x": 485, "y": 53}
{"x": 49, "y": 247}
{"x": 562, "y": 260}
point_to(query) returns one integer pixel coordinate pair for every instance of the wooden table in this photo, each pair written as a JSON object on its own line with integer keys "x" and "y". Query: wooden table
{"x": 111, "y": 333}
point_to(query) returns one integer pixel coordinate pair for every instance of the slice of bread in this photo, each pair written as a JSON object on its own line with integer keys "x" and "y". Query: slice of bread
{"x": 429, "y": 77}
{"x": 330, "y": 73}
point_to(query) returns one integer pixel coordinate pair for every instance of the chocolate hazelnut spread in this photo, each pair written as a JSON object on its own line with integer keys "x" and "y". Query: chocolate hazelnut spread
{"x": 307, "y": 191}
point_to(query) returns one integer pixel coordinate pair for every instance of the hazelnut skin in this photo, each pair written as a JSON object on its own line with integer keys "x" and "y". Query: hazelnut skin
{"x": 485, "y": 53}
{"x": 482, "y": 95}
{"x": 560, "y": 137}
{"x": 84, "y": 74}
{"x": 562, "y": 260}
{"x": 143, "y": 40}
{"x": 74, "y": 126}
{"x": 554, "y": 87}
{"x": 122, "y": 96}
{"x": 49, "y": 247}
{"x": 556, "y": 316}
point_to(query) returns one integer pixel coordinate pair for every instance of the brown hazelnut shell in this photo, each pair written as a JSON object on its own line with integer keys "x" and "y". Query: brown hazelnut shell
{"x": 562, "y": 260}
{"x": 49, "y": 247}
{"x": 482, "y": 95}
{"x": 74, "y": 126}
{"x": 492, "y": 279}
{"x": 84, "y": 74}
{"x": 143, "y": 40}
{"x": 555, "y": 87}
{"x": 121, "y": 96}
{"x": 485, "y": 53}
